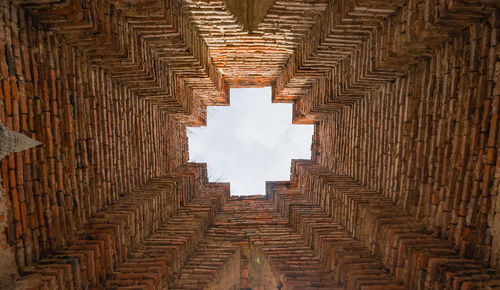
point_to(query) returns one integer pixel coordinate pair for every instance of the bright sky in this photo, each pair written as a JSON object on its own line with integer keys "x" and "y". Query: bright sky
{"x": 250, "y": 142}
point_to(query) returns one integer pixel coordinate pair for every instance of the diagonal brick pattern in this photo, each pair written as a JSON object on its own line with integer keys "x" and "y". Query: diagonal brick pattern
{"x": 351, "y": 262}
{"x": 254, "y": 58}
{"x": 415, "y": 255}
{"x": 400, "y": 193}
{"x": 209, "y": 266}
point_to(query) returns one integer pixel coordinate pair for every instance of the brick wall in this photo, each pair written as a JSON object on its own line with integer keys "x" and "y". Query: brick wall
{"x": 400, "y": 192}
{"x": 429, "y": 141}
{"x": 416, "y": 256}
{"x": 8, "y": 265}
{"x": 99, "y": 140}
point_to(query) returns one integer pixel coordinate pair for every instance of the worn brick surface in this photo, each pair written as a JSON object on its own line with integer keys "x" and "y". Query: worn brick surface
{"x": 209, "y": 265}
{"x": 114, "y": 247}
{"x": 255, "y": 221}
{"x": 418, "y": 257}
{"x": 149, "y": 46}
{"x": 155, "y": 262}
{"x": 358, "y": 45}
{"x": 352, "y": 263}
{"x": 87, "y": 123}
{"x": 249, "y": 58}
{"x": 401, "y": 190}
{"x": 108, "y": 237}
{"x": 429, "y": 141}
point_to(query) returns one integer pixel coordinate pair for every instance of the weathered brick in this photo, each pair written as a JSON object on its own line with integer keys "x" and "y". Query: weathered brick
{"x": 400, "y": 191}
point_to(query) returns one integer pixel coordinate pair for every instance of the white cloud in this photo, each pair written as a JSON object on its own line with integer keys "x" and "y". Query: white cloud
{"x": 250, "y": 142}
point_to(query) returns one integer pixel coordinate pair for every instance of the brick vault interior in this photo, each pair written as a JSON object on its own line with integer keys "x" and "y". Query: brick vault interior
{"x": 400, "y": 193}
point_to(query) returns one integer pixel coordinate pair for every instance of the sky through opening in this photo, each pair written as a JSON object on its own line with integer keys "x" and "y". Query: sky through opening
{"x": 250, "y": 142}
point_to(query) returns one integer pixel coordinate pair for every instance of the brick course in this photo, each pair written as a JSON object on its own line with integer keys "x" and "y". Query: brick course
{"x": 401, "y": 190}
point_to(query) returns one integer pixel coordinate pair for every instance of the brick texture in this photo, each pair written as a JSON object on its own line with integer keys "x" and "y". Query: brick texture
{"x": 429, "y": 141}
{"x": 416, "y": 256}
{"x": 400, "y": 192}
{"x": 87, "y": 123}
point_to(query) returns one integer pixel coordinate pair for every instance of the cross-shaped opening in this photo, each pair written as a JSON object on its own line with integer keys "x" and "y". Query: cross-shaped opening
{"x": 250, "y": 142}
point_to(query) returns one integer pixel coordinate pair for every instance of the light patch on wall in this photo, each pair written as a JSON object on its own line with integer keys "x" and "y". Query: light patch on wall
{"x": 250, "y": 142}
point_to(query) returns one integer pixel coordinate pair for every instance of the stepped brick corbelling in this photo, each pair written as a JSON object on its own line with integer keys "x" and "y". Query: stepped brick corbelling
{"x": 401, "y": 191}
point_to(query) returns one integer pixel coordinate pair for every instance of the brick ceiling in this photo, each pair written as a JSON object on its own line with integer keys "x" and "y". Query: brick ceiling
{"x": 254, "y": 58}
